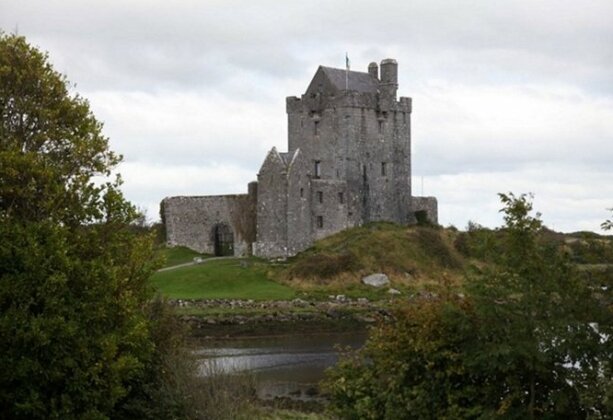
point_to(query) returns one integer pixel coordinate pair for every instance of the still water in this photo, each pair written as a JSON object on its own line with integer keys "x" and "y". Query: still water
{"x": 286, "y": 366}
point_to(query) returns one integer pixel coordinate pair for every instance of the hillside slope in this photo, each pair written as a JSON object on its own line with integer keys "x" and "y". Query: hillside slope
{"x": 408, "y": 255}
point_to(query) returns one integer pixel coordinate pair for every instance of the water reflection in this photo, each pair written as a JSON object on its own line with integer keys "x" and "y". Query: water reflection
{"x": 288, "y": 366}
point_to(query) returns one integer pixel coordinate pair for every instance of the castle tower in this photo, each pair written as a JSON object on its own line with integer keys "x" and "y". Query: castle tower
{"x": 355, "y": 140}
{"x": 348, "y": 163}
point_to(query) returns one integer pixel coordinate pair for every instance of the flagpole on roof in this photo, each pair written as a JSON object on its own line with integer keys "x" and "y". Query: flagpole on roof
{"x": 346, "y": 71}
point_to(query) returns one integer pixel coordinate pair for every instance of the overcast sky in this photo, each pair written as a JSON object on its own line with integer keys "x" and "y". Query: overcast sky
{"x": 507, "y": 95}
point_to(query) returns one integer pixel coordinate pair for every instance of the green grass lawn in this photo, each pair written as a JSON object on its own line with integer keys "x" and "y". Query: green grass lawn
{"x": 179, "y": 255}
{"x": 220, "y": 279}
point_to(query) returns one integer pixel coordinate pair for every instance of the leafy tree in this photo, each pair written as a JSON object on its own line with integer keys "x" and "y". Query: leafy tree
{"x": 529, "y": 340}
{"x": 608, "y": 370}
{"x": 607, "y": 224}
{"x": 539, "y": 343}
{"x": 415, "y": 368}
{"x": 77, "y": 330}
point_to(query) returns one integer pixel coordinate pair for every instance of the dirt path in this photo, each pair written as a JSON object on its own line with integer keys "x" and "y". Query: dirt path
{"x": 202, "y": 261}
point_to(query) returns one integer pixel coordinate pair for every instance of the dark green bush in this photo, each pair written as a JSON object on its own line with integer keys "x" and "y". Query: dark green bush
{"x": 433, "y": 244}
{"x": 519, "y": 343}
{"x": 462, "y": 244}
{"x": 591, "y": 251}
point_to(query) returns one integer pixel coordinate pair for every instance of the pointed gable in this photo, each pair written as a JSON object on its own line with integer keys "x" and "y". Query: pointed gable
{"x": 331, "y": 80}
{"x": 273, "y": 163}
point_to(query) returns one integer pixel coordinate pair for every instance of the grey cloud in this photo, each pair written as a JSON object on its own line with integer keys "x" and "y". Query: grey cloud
{"x": 186, "y": 43}
{"x": 497, "y": 87}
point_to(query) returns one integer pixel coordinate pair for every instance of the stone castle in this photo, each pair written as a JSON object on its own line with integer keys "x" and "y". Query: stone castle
{"x": 348, "y": 163}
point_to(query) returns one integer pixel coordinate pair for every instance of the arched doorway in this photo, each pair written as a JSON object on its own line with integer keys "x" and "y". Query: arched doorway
{"x": 223, "y": 239}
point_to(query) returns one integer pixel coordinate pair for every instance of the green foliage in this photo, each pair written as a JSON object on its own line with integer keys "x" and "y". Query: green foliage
{"x": 432, "y": 242}
{"x": 536, "y": 315}
{"x": 479, "y": 242}
{"x": 530, "y": 339}
{"x": 591, "y": 250}
{"x": 76, "y": 333}
{"x": 50, "y": 144}
{"x": 62, "y": 325}
{"x": 270, "y": 413}
{"x": 164, "y": 389}
{"x": 220, "y": 279}
{"x": 416, "y": 368}
{"x": 159, "y": 232}
{"x": 607, "y": 224}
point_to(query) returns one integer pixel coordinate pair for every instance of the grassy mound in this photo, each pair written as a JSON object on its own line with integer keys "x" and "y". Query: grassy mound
{"x": 414, "y": 258}
{"x": 408, "y": 255}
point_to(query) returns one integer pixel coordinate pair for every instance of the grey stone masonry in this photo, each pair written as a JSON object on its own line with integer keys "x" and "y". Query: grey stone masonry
{"x": 348, "y": 163}
{"x": 429, "y": 205}
{"x": 191, "y": 221}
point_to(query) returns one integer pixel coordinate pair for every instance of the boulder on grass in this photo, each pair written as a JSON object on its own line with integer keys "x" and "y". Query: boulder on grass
{"x": 376, "y": 280}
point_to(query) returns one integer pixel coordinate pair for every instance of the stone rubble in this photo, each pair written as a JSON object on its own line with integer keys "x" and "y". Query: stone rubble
{"x": 338, "y": 307}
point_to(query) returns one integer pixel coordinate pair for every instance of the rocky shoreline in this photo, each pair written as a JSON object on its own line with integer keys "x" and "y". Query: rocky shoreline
{"x": 202, "y": 315}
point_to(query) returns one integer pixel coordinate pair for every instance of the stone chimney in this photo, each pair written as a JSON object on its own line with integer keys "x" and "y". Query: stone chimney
{"x": 389, "y": 78}
{"x": 373, "y": 70}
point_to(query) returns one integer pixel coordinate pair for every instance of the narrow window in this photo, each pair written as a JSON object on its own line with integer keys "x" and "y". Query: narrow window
{"x": 341, "y": 198}
{"x": 316, "y": 128}
{"x": 380, "y": 126}
{"x": 301, "y": 192}
{"x": 317, "y": 169}
{"x": 320, "y": 222}
{"x": 320, "y": 196}
{"x": 383, "y": 169}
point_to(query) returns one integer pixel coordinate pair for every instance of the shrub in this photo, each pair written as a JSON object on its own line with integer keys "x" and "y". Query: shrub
{"x": 77, "y": 332}
{"x": 415, "y": 368}
{"x": 432, "y": 243}
{"x": 462, "y": 244}
{"x": 529, "y": 340}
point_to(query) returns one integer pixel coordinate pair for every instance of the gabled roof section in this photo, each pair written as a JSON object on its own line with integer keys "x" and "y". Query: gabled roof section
{"x": 272, "y": 161}
{"x": 278, "y": 162}
{"x": 296, "y": 161}
{"x": 327, "y": 78}
{"x": 287, "y": 157}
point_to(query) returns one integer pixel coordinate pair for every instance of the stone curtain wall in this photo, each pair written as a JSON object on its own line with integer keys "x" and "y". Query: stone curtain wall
{"x": 190, "y": 221}
{"x": 427, "y": 204}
